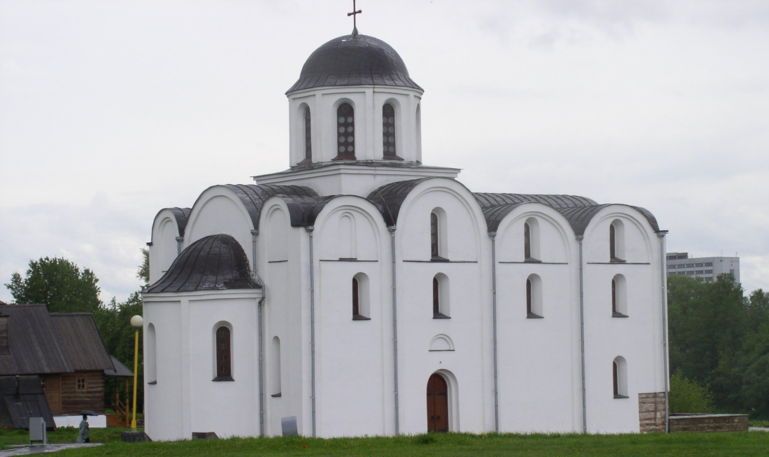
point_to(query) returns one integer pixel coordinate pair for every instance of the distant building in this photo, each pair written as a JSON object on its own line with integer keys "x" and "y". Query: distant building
{"x": 59, "y": 355}
{"x": 705, "y": 268}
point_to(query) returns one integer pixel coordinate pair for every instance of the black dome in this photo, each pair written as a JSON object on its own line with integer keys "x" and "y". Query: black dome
{"x": 216, "y": 262}
{"x": 354, "y": 60}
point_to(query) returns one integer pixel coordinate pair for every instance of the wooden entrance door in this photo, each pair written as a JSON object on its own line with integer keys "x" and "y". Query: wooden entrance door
{"x": 437, "y": 404}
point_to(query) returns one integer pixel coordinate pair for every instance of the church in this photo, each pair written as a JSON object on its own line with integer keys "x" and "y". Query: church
{"x": 362, "y": 292}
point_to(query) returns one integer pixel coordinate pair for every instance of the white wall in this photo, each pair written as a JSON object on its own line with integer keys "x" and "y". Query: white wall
{"x": 185, "y": 399}
{"x": 539, "y": 364}
{"x": 354, "y": 357}
{"x": 367, "y": 102}
{"x": 469, "y": 328}
{"x": 637, "y": 338}
{"x": 163, "y": 249}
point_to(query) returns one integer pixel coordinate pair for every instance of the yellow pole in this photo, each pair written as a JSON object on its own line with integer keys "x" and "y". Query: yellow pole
{"x": 136, "y": 374}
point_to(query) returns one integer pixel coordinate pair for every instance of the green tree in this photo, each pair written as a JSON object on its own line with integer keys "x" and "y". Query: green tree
{"x": 144, "y": 268}
{"x": 58, "y": 283}
{"x": 707, "y": 328}
{"x": 686, "y": 396}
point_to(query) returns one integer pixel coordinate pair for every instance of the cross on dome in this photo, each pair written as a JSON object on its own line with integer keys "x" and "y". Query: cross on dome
{"x": 355, "y": 12}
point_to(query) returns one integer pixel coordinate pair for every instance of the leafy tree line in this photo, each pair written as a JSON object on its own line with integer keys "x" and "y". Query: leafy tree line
{"x": 64, "y": 287}
{"x": 719, "y": 347}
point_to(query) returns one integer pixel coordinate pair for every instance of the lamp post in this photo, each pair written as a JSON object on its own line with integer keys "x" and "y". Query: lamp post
{"x": 136, "y": 323}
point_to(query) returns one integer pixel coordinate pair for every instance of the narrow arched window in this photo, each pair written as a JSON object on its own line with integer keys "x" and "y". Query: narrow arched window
{"x": 531, "y": 240}
{"x": 619, "y": 377}
{"x": 533, "y": 297}
{"x": 616, "y": 241}
{"x": 434, "y": 251}
{"x": 440, "y": 297}
{"x": 345, "y": 125}
{"x": 438, "y": 235}
{"x": 307, "y": 135}
{"x": 526, "y": 241}
{"x": 619, "y": 296}
{"x": 150, "y": 363}
{"x": 275, "y": 369}
{"x": 388, "y": 132}
{"x": 360, "y": 298}
{"x": 223, "y": 354}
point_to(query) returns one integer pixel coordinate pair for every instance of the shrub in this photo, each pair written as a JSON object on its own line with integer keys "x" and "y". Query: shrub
{"x": 686, "y": 396}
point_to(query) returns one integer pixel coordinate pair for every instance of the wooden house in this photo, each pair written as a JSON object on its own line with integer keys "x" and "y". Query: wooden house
{"x": 64, "y": 350}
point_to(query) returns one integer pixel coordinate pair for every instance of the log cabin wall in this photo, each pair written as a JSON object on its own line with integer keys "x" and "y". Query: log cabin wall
{"x": 52, "y": 389}
{"x": 82, "y": 390}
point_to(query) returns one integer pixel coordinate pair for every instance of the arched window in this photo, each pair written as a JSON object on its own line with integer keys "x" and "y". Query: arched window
{"x": 531, "y": 240}
{"x": 616, "y": 241}
{"x": 441, "y": 297}
{"x": 534, "y": 297}
{"x": 307, "y": 135}
{"x": 388, "y": 132}
{"x": 619, "y": 377}
{"x": 345, "y": 125}
{"x": 360, "y": 298}
{"x": 223, "y": 353}
{"x": 275, "y": 367}
{"x": 150, "y": 364}
{"x": 438, "y": 235}
{"x": 619, "y": 296}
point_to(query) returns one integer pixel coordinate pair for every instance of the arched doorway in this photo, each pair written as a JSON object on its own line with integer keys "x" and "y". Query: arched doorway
{"x": 437, "y": 404}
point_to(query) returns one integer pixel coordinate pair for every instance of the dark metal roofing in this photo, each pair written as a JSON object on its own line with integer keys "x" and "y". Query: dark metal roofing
{"x": 253, "y": 196}
{"x": 390, "y": 197}
{"x": 553, "y": 201}
{"x": 80, "y": 342}
{"x": 181, "y": 215}
{"x": 22, "y": 398}
{"x": 354, "y": 60}
{"x": 579, "y": 218}
{"x": 119, "y": 369}
{"x": 33, "y": 346}
{"x": 216, "y": 262}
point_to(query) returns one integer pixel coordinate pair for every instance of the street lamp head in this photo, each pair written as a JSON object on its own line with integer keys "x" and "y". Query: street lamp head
{"x": 136, "y": 321}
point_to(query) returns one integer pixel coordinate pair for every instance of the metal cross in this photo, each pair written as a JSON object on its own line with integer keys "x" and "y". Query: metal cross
{"x": 354, "y": 14}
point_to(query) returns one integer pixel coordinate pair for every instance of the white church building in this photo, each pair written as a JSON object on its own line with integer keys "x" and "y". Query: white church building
{"x": 361, "y": 292}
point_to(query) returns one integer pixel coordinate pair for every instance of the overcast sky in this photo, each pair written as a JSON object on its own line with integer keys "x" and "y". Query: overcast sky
{"x": 111, "y": 110}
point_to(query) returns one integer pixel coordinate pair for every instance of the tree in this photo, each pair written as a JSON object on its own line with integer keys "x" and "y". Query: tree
{"x": 58, "y": 283}
{"x": 686, "y": 396}
{"x": 144, "y": 268}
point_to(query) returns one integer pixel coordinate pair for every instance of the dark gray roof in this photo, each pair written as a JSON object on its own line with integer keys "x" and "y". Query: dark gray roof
{"x": 253, "y": 196}
{"x": 81, "y": 343}
{"x": 119, "y": 369}
{"x": 354, "y": 60}
{"x": 216, "y": 262}
{"x": 40, "y": 342}
{"x": 33, "y": 346}
{"x": 390, "y": 197}
{"x": 22, "y": 397}
{"x": 579, "y": 218}
{"x": 553, "y": 201}
{"x": 577, "y": 210}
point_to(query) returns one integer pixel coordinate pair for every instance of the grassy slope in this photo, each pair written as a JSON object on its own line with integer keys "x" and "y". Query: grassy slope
{"x": 678, "y": 445}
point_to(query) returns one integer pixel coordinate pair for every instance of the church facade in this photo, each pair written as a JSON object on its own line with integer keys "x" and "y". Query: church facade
{"x": 361, "y": 292}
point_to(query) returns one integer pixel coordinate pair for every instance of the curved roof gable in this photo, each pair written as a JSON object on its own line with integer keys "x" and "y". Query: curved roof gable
{"x": 253, "y": 196}
{"x": 181, "y": 216}
{"x": 389, "y": 198}
{"x": 579, "y": 218}
{"x": 215, "y": 262}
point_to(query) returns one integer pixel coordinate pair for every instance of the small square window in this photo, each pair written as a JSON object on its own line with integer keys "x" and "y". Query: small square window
{"x": 80, "y": 384}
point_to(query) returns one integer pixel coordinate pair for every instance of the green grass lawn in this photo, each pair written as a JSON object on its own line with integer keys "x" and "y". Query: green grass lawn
{"x": 443, "y": 445}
